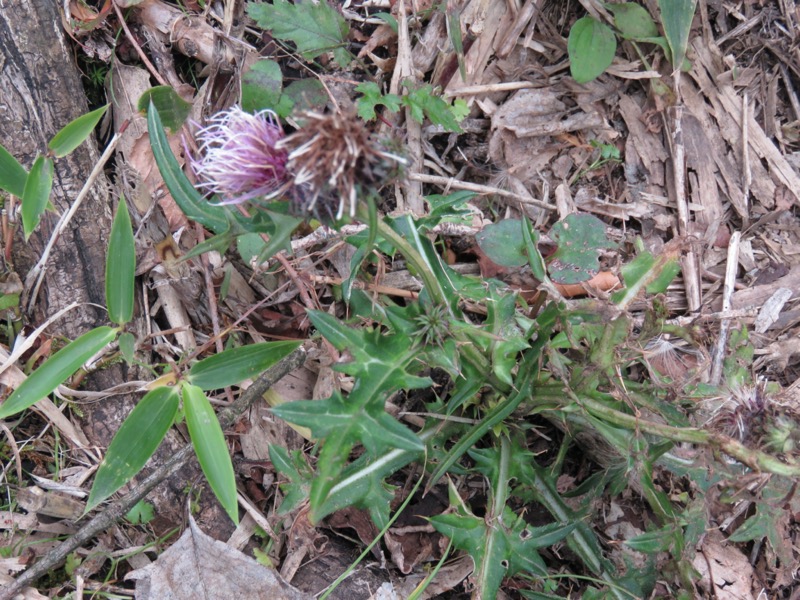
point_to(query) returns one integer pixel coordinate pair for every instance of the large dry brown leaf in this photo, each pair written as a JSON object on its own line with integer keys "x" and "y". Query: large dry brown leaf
{"x": 198, "y": 566}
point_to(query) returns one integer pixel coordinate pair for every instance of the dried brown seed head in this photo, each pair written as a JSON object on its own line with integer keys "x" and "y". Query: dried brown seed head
{"x": 334, "y": 160}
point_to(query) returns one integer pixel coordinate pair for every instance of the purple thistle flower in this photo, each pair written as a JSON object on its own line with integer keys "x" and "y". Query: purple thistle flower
{"x": 238, "y": 158}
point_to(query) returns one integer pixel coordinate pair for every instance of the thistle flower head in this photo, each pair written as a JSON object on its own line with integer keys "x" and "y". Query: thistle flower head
{"x": 333, "y": 159}
{"x": 239, "y": 158}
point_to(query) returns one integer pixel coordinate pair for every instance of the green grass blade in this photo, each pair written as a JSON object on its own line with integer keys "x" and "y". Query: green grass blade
{"x": 237, "y": 364}
{"x": 56, "y": 370}
{"x": 12, "y": 174}
{"x": 120, "y": 267}
{"x": 37, "y": 193}
{"x": 74, "y": 133}
{"x": 210, "y": 447}
{"x": 135, "y": 442}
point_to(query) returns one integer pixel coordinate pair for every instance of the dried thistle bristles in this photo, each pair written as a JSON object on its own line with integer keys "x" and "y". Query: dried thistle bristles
{"x": 333, "y": 159}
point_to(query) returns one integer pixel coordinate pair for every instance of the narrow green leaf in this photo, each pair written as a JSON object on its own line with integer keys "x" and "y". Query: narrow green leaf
{"x": 193, "y": 205}
{"x": 217, "y": 243}
{"x": 676, "y": 18}
{"x": 591, "y": 47}
{"x": 653, "y": 541}
{"x": 531, "y": 238}
{"x": 12, "y": 174}
{"x": 237, "y": 364}
{"x": 56, "y": 370}
{"x": 120, "y": 267}
{"x": 454, "y": 33}
{"x": 135, "y": 442}
{"x": 37, "y": 193}
{"x": 172, "y": 109}
{"x": 210, "y": 447}
{"x": 73, "y": 134}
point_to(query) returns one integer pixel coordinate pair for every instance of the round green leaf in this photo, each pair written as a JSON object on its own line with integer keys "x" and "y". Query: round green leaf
{"x": 591, "y": 47}
{"x": 36, "y": 195}
{"x": 135, "y": 442}
{"x": 172, "y": 109}
{"x": 237, "y": 364}
{"x": 12, "y": 174}
{"x": 580, "y": 239}
{"x": 210, "y": 447}
{"x": 75, "y": 133}
{"x": 56, "y": 370}
{"x": 262, "y": 87}
{"x": 503, "y": 243}
{"x": 120, "y": 267}
{"x": 633, "y": 21}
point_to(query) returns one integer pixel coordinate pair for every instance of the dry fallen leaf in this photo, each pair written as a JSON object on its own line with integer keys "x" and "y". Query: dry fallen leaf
{"x": 198, "y": 566}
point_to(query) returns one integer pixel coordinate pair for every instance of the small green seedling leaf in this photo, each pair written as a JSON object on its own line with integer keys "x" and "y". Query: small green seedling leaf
{"x": 422, "y": 103}
{"x": 580, "y": 238}
{"x": 172, "y": 109}
{"x": 591, "y": 47}
{"x": 676, "y": 18}
{"x": 37, "y": 193}
{"x": 648, "y": 272}
{"x": 127, "y": 346}
{"x": 315, "y": 28}
{"x": 372, "y": 97}
{"x": 210, "y": 447}
{"x": 237, "y": 364}
{"x": 120, "y": 267}
{"x": 633, "y": 21}
{"x": 137, "y": 439}
{"x": 141, "y": 513}
{"x": 503, "y": 243}
{"x": 56, "y": 370}
{"x": 193, "y": 205}
{"x": 12, "y": 174}
{"x": 75, "y": 133}
{"x": 389, "y": 20}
